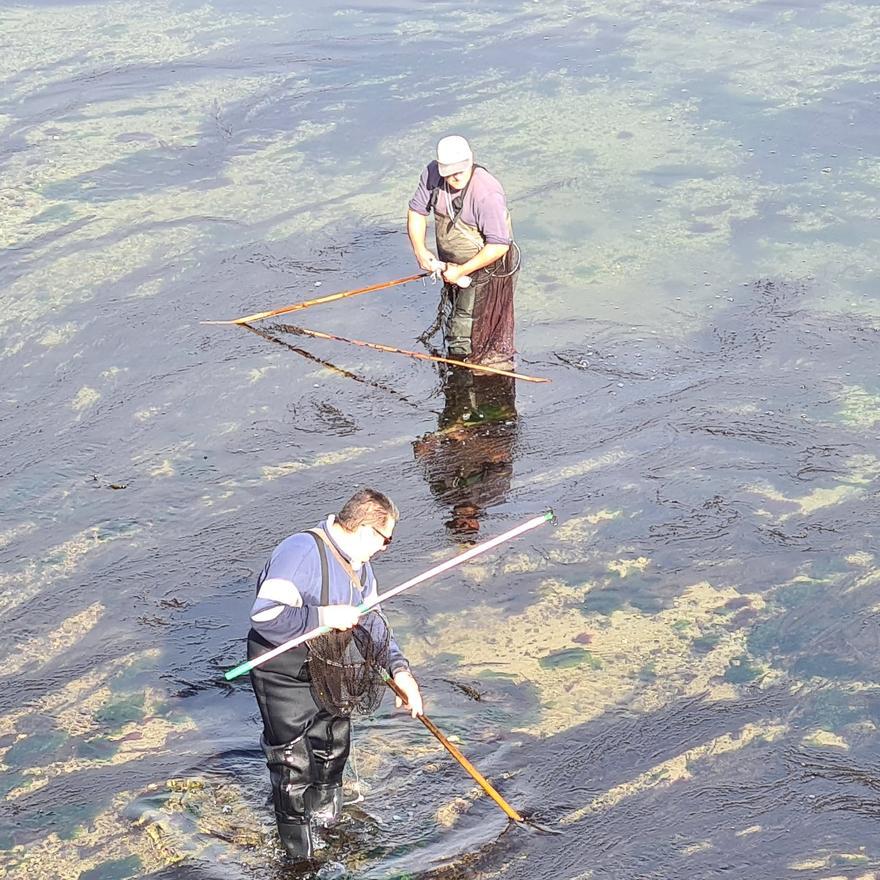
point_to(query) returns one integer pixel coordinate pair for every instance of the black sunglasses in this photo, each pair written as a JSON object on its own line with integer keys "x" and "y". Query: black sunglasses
{"x": 386, "y": 539}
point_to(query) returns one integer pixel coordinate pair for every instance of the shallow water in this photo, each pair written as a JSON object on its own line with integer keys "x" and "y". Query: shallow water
{"x": 683, "y": 673}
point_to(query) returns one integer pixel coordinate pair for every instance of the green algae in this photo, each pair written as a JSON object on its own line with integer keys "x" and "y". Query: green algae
{"x": 707, "y": 642}
{"x": 69, "y": 820}
{"x": 604, "y": 601}
{"x": 96, "y": 748}
{"x": 570, "y": 657}
{"x": 647, "y": 674}
{"x": 446, "y": 658}
{"x": 827, "y": 666}
{"x": 849, "y": 860}
{"x": 10, "y": 779}
{"x": 802, "y": 593}
{"x": 835, "y": 709}
{"x": 742, "y": 671}
{"x": 120, "y": 712}
{"x": 35, "y": 748}
{"x": 117, "y": 869}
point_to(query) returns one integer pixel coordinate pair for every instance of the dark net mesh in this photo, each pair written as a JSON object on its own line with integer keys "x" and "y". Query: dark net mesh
{"x": 492, "y": 332}
{"x": 346, "y": 666}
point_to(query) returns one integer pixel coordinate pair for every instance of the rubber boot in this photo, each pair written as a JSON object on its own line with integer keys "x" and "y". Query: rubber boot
{"x": 291, "y": 769}
{"x": 326, "y": 804}
{"x": 296, "y": 838}
{"x": 330, "y": 741}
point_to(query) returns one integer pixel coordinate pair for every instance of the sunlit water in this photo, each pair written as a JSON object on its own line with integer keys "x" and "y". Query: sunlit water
{"x": 682, "y": 675}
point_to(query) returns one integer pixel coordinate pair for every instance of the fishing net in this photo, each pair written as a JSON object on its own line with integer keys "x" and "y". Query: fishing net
{"x": 346, "y": 666}
{"x": 492, "y": 331}
{"x": 492, "y": 334}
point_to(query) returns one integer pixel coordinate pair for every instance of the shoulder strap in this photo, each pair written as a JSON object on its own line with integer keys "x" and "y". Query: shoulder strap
{"x": 435, "y": 193}
{"x": 325, "y": 575}
{"x": 432, "y": 199}
{"x": 356, "y": 581}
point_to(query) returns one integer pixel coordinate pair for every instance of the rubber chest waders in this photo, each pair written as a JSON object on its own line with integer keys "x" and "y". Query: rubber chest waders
{"x": 306, "y": 748}
{"x": 457, "y": 242}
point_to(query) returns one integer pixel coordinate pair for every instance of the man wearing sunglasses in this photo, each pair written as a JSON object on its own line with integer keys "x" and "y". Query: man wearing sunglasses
{"x": 316, "y": 578}
{"x": 474, "y": 241}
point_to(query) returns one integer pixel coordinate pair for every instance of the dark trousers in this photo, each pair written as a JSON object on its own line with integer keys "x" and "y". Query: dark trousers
{"x": 306, "y": 748}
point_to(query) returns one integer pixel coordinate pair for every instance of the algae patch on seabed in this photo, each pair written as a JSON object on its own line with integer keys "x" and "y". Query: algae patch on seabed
{"x": 91, "y": 727}
{"x": 554, "y": 114}
{"x": 852, "y": 483}
{"x": 782, "y": 63}
{"x": 96, "y": 721}
{"x": 825, "y": 739}
{"x": 121, "y": 154}
{"x": 58, "y": 335}
{"x": 16, "y": 533}
{"x": 330, "y": 459}
{"x": 56, "y": 563}
{"x": 186, "y": 816}
{"x": 683, "y": 766}
{"x": 43, "y": 649}
{"x": 143, "y": 832}
{"x": 540, "y": 645}
{"x": 86, "y": 397}
{"x": 860, "y": 409}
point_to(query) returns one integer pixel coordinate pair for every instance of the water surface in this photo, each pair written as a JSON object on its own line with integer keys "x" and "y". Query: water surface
{"x": 683, "y": 673}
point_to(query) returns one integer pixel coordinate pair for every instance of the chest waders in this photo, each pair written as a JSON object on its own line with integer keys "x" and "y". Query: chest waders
{"x": 472, "y": 328}
{"x": 455, "y": 245}
{"x": 306, "y": 747}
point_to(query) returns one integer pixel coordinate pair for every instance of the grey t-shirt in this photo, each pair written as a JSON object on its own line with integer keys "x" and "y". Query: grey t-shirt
{"x": 484, "y": 205}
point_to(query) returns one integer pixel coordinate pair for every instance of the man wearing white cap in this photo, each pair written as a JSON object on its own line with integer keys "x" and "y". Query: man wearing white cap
{"x": 474, "y": 240}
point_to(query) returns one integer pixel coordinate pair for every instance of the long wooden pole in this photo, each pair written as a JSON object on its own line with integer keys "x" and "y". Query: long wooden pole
{"x": 480, "y": 779}
{"x": 478, "y": 368}
{"x": 258, "y": 316}
{"x": 327, "y": 365}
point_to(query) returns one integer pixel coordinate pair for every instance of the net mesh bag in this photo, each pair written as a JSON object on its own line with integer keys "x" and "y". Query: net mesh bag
{"x": 346, "y": 666}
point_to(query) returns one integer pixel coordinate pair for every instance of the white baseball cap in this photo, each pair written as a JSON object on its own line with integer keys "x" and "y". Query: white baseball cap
{"x": 454, "y": 155}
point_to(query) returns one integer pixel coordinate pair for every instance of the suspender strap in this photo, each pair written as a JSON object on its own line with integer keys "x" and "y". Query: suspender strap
{"x": 325, "y": 574}
{"x": 435, "y": 193}
{"x": 324, "y": 544}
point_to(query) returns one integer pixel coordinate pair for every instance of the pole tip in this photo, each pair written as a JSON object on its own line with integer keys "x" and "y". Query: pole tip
{"x": 239, "y": 670}
{"x": 550, "y": 516}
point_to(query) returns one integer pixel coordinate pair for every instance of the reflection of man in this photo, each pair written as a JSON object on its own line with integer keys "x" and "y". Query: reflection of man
{"x": 313, "y": 579}
{"x": 468, "y": 461}
{"x": 474, "y": 240}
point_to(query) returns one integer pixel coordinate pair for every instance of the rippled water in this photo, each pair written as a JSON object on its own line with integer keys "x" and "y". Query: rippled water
{"x": 682, "y": 675}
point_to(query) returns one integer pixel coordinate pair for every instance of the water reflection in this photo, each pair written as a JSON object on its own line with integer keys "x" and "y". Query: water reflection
{"x": 468, "y": 460}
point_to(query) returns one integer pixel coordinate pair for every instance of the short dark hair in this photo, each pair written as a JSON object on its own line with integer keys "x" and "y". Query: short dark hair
{"x": 367, "y": 507}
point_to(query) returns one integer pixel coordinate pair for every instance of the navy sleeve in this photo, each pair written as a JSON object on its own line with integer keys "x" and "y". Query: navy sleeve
{"x": 289, "y": 591}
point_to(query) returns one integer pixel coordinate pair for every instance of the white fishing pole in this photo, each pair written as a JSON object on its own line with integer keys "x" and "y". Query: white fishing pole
{"x": 533, "y": 523}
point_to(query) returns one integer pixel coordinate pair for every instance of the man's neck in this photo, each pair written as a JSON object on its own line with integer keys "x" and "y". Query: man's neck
{"x": 345, "y": 541}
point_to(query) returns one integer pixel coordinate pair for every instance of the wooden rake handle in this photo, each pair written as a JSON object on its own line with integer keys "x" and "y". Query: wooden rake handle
{"x": 259, "y": 316}
{"x": 478, "y": 777}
